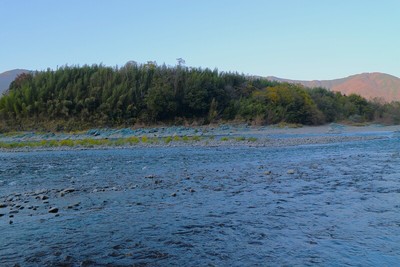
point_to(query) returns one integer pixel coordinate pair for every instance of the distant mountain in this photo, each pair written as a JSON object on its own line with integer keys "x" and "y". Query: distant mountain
{"x": 368, "y": 85}
{"x": 7, "y": 77}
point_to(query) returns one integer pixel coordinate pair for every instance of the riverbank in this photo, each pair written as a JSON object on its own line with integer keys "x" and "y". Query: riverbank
{"x": 222, "y": 135}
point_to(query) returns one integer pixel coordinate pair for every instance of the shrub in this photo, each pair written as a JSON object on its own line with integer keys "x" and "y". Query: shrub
{"x": 252, "y": 139}
{"x": 132, "y": 140}
{"x": 167, "y": 139}
{"x": 240, "y": 138}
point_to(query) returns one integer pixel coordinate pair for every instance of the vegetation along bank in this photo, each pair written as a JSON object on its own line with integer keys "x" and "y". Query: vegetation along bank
{"x": 81, "y": 97}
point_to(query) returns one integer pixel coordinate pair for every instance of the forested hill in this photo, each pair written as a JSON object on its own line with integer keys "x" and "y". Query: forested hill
{"x": 99, "y": 96}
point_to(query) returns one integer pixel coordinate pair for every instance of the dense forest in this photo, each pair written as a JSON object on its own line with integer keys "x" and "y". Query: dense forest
{"x": 74, "y": 97}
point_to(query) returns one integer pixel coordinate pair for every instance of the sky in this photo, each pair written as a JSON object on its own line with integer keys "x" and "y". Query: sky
{"x": 294, "y": 39}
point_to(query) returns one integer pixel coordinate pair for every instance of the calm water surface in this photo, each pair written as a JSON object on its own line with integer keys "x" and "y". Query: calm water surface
{"x": 222, "y": 206}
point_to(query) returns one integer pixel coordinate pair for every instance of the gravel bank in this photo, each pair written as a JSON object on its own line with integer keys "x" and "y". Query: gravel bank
{"x": 223, "y": 135}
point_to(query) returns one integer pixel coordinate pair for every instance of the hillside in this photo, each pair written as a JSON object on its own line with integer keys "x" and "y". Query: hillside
{"x": 7, "y": 77}
{"x": 368, "y": 85}
{"x": 95, "y": 96}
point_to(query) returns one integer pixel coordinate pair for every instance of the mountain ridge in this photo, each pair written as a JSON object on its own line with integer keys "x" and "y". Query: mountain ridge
{"x": 7, "y": 77}
{"x": 370, "y": 85}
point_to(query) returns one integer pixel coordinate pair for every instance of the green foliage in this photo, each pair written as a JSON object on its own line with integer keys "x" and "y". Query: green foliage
{"x": 240, "y": 138}
{"x": 133, "y": 140}
{"x": 282, "y": 103}
{"x": 66, "y": 142}
{"x": 167, "y": 139}
{"x": 196, "y": 138}
{"x": 74, "y": 97}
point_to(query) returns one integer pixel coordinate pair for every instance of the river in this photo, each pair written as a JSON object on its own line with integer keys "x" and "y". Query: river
{"x": 324, "y": 204}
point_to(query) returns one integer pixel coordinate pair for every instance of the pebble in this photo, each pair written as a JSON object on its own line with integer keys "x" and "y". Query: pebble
{"x": 53, "y": 210}
{"x": 43, "y": 197}
{"x": 57, "y": 253}
{"x": 73, "y": 205}
{"x": 86, "y": 263}
{"x": 39, "y": 192}
{"x": 314, "y": 166}
{"x": 68, "y": 190}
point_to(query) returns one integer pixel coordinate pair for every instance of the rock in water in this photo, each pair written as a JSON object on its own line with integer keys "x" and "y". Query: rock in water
{"x": 68, "y": 190}
{"x": 53, "y": 210}
{"x": 290, "y": 172}
{"x": 43, "y": 197}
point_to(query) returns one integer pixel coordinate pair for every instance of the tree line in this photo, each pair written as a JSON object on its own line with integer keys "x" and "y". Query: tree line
{"x": 78, "y": 97}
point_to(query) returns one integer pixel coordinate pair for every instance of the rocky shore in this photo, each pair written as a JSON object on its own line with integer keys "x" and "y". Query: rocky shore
{"x": 223, "y": 135}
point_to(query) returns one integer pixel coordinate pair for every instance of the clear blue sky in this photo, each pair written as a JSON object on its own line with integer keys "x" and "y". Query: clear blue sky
{"x": 296, "y": 39}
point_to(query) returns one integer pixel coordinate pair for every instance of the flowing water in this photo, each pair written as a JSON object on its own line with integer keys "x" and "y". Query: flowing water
{"x": 328, "y": 204}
